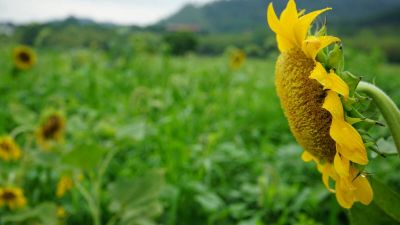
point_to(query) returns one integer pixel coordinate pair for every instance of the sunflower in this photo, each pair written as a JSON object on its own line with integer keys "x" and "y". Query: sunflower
{"x": 64, "y": 185}
{"x": 61, "y": 213}
{"x": 51, "y": 130}
{"x": 24, "y": 57}
{"x": 12, "y": 197}
{"x": 237, "y": 58}
{"x": 311, "y": 98}
{"x": 9, "y": 150}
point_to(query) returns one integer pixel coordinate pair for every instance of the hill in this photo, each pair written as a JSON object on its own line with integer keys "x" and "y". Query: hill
{"x": 249, "y": 15}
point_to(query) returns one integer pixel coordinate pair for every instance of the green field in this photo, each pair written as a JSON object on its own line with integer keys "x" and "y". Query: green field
{"x": 189, "y": 140}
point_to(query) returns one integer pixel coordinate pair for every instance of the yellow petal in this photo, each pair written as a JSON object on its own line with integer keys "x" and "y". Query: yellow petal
{"x": 303, "y": 24}
{"x": 344, "y": 193}
{"x": 312, "y": 45}
{"x": 284, "y": 44}
{"x": 333, "y": 104}
{"x": 284, "y": 36}
{"x": 363, "y": 192}
{"x": 307, "y": 157}
{"x": 273, "y": 21}
{"x": 289, "y": 14}
{"x": 327, "y": 173}
{"x": 329, "y": 81}
{"x": 348, "y": 142}
{"x": 342, "y": 165}
{"x": 337, "y": 84}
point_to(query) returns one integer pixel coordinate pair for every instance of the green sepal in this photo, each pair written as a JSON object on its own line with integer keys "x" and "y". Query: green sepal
{"x": 351, "y": 80}
{"x": 359, "y": 120}
{"x": 322, "y": 31}
{"x": 322, "y": 57}
{"x": 336, "y": 58}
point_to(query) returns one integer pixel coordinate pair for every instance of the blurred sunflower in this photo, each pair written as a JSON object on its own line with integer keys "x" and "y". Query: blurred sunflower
{"x": 9, "y": 150}
{"x": 12, "y": 197}
{"x": 61, "y": 212}
{"x": 64, "y": 185}
{"x": 24, "y": 57}
{"x": 237, "y": 58}
{"x": 51, "y": 129}
{"x": 311, "y": 99}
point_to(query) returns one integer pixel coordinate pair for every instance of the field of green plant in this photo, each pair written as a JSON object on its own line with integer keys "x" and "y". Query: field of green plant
{"x": 157, "y": 139}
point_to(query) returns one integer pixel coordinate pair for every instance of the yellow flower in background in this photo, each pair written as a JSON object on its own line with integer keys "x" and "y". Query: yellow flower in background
{"x": 51, "y": 130}
{"x": 9, "y": 150}
{"x": 237, "y": 58}
{"x": 12, "y": 197}
{"x": 24, "y": 57}
{"x": 61, "y": 212}
{"x": 311, "y": 99}
{"x": 64, "y": 185}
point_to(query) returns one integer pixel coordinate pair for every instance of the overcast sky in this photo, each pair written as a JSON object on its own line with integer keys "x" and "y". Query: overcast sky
{"x": 140, "y": 12}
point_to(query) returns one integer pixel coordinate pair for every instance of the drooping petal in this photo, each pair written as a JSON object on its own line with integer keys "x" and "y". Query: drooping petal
{"x": 333, "y": 104}
{"x": 336, "y": 84}
{"x": 327, "y": 172}
{"x": 348, "y": 141}
{"x": 330, "y": 81}
{"x": 363, "y": 192}
{"x": 307, "y": 157}
{"x": 344, "y": 193}
{"x": 342, "y": 165}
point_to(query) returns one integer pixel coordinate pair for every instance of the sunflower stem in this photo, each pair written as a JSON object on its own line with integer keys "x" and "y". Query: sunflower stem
{"x": 387, "y": 107}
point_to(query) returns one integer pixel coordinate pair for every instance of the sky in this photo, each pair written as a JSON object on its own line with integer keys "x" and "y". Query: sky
{"x": 128, "y": 12}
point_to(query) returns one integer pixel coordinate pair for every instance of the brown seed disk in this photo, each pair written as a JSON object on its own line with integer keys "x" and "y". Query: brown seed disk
{"x": 301, "y": 99}
{"x": 51, "y": 127}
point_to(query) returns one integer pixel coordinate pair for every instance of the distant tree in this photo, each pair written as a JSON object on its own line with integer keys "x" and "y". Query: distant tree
{"x": 181, "y": 42}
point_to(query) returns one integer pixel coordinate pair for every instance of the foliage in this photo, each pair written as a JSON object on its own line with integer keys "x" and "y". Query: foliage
{"x": 181, "y": 42}
{"x": 164, "y": 140}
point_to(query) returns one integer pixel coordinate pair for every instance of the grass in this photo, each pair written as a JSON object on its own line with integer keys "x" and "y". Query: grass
{"x": 218, "y": 135}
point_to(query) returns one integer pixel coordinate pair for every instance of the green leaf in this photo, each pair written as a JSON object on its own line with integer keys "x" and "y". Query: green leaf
{"x": 351, "y": 80}
{"x": 386, "y": 146}
{"x": 369, "y": 215}
{"x": 137, "y": 201}
{"x": 386, "y": 199}
{"x": 384, "y": 209}
{"x": 45, "y": 213}
{"x": 209, "y": 201}
{"x": 85, "y": 157}
{"x": 21, "y": 114}
{"x": 132, "y": 193}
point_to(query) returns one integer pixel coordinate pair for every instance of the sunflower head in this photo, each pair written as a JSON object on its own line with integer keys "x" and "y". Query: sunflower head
{"x": 12, "y": 197}
{"x": 9, "y": 150}
{"x": 24, "y": 57}
{"x": 311, "y": 95}
{"x": 51, "y": 129}
{"x": 302, "y": 99}
{"x": 237, "y": 58}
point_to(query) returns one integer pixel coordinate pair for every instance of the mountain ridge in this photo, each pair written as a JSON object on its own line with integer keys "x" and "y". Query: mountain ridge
{"x": 249, "y": 15}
